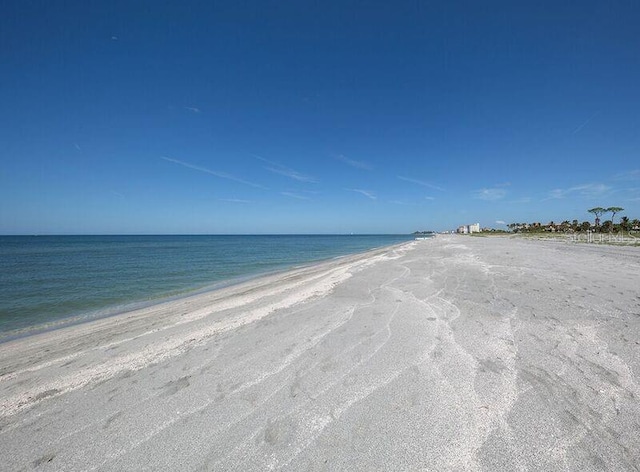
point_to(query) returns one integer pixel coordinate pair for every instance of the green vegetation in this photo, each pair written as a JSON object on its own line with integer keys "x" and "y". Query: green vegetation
{"x": 608, "y": 226}
{"x": 598, "y": 211}
{"x": 625, "y": 230}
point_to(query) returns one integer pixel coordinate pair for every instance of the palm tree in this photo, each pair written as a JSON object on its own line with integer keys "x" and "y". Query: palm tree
{"x": 635, "y": 224}
{"x": 598, "y": 211}
{"x": 613, "y": 211}
{"x": 624, "y": 223}
{"x": 575, "y": 225}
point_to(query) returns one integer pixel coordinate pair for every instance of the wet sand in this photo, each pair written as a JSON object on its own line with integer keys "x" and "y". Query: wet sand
{"x": 456, "y": 353}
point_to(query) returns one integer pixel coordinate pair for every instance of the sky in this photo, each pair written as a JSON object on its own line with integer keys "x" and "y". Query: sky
{"x": 263, "y": 117}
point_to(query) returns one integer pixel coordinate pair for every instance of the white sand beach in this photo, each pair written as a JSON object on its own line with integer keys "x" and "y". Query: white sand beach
{"x": 454, "y": 353}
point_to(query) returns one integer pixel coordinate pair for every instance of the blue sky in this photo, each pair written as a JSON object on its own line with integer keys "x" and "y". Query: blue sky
{"x": 315, "y": 117}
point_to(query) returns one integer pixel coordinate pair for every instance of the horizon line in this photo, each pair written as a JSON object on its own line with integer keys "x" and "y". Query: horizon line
{"x": 200, "y": 234}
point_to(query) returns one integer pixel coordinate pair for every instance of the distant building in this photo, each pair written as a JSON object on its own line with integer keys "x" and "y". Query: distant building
{"x": 468, "y": 229}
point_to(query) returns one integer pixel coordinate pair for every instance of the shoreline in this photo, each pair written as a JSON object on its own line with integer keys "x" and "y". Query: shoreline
{"x": 170, "y": 314}
{"x": 135, "y": 305}
{"x": 448, "y": 354}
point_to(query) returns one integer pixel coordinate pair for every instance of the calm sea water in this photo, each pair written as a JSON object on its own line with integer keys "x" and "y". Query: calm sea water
{"x": 47, "y": 281}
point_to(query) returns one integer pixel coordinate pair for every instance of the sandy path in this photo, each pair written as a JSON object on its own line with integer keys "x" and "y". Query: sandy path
{"x": 456, "y": 353}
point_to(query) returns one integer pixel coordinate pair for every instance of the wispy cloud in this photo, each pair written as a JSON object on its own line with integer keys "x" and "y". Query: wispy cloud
{"x": 500, "y": 222}
{"x": 586, "y": 190}
{"x": 522, "y": 200}
{"x": 297, "y": 196}
{"x": 234, "y": 200}
{"x": 193, "y": 109}
{"x": 277, "y": 168}
{"x": 429, "y": 198}
{"x": 628, "y": 175}
{"x": 353, "y": 163}
{"x": 77, "y": 146}
{"x": 490, "y": 194}
{"x": 421, "y": 182}
{"x": 558, "y": 193}
{"x": 578, "y": 128}
{"x": 222, "y": 175}
{"x": 367, "y": 193}
{"x": 292, "y": 174}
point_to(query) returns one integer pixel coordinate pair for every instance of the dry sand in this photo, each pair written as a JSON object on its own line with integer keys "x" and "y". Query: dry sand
{"x": 456, "y": 353}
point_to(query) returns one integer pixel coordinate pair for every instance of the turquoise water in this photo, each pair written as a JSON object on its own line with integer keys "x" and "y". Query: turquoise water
{"x": 46, "y": 281}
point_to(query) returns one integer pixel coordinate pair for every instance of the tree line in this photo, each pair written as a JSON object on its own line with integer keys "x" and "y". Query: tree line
{"x": 608, "y": 226}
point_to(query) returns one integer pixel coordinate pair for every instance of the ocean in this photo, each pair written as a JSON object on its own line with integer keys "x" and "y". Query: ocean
{"x": 52, "y": 281}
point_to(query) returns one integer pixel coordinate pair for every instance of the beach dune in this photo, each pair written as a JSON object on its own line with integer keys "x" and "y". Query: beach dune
{"x": 454, "y": 353}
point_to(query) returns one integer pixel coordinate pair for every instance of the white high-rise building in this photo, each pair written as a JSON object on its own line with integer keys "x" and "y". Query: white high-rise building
{"x": 468, "y": 229}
